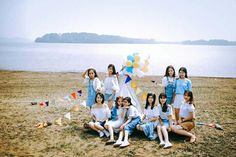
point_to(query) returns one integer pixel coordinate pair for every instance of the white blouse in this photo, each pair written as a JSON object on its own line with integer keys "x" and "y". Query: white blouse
{"x": 151, "y": 113}
{"x": 101, "y": 113}
{"x": 110, "y": 84}
{"x": 185, "y": 109}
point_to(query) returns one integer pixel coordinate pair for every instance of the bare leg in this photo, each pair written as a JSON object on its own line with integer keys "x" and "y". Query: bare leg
{"x": 121, "y": 135}
{"x": 91, "y": 125}
{"x": 126, "y": 135}
{"x": 165, "y": 133}
{"x": 176, "y": 116}
{"x": 98, "y": 126}
{"x": 111, "y": 132}
{"x": 183, "y": 132}
{"x": 160, "y": 134}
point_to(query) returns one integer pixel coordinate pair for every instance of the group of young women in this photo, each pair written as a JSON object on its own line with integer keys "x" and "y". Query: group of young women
{"x": 119, "y": 115}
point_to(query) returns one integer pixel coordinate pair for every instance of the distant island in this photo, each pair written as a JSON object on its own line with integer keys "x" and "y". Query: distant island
{"x": 113, "y": 39}
{"x": 90, "y": 38}
{"x": 209, "y": 42}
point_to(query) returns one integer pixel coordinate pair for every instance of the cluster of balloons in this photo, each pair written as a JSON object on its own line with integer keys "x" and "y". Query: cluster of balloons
{"x": 136, "y": 65}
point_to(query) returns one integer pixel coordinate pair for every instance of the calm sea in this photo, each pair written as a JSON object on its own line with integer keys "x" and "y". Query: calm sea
{"x": 217, "y": 61}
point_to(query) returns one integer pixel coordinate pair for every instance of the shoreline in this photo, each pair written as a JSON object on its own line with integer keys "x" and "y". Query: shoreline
{"x": 103, "y": 73}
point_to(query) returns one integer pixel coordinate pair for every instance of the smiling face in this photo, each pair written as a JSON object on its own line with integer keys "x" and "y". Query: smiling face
{"x": 126, "y": 104}
{"x": 170, "y": 72}
{"x": 162, "y": 100}
{"x": 182, "y": 74}
{"x": 91, "y": 74}
{"x": 110, "y": 70}
{"x": 119, "y": 102}
{"x": 99, "y": 99}
{"x": 186, "y": 97}
{"x": 150, "y": 100}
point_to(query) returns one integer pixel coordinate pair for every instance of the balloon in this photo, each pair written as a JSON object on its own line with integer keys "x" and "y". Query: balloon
{"x": 145, "y": 68}
{"x": 130, "y": 58}
{"x": 133, "y": 84}
{"x": 136, "y": 58}
{"x": 128, "y": 63}
{"x": 144, "y": 96}
{"x": 135, "y": 64}
{"x": 129, "y": 69}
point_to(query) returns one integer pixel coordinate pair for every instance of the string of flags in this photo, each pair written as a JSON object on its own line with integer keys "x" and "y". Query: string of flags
{"x": 75, "y": 108}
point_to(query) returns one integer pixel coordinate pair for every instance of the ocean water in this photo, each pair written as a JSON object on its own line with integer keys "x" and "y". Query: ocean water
{"x": 210, "y": 61}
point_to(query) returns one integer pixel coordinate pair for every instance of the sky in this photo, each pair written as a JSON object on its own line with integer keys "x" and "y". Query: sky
{"x": 162, "y": 20}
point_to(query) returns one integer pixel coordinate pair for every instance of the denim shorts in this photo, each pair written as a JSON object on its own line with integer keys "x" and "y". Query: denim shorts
{"x": 132, "y": 125}
{"x": 165, "y": 123}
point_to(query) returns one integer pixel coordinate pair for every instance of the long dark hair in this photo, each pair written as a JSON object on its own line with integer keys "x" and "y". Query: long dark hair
{"x": 129, "y": 100}
{"x": 154, "y": 100}
{"x": 167, "y": 71}
{"x": 101, "y": 95}
{"x": 95, "y": 72}
{"x": 190, "y": 94}
{"x": 184, "y": 70}
{"x": 117, "y": 98}
{"x": 113, "y": 69}
{"x": 164, "y": 108}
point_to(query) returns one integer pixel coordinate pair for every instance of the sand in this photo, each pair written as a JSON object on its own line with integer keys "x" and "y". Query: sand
{"x": 215, "y": 100}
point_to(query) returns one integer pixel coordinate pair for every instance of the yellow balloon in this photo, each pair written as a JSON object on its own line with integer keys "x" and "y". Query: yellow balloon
{"x": 135, "y": 65}
{"x": 133, "y": 84}
{"x": 136, "y": 58}
{"x": 144, "y": 96}
{"x": 128, "y": 63}
{"x": 145, "y": 68}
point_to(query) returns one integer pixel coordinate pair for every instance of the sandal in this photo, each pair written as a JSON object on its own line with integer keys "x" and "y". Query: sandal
{"x": 193, "y": 139}
{"x": 86, "y": 125}
{"x": 110, "y": 142}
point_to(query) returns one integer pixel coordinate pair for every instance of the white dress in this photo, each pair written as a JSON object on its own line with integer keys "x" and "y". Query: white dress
{"x": 117, "y": 123}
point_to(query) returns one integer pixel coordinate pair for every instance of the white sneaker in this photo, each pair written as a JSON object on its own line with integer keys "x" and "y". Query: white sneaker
{"x": 167, "y": 145}
{"x": 118, "y": 143}
{"x": 162, "y": 143}
{"x": 124, "y": 144}
{"x": 101, "y": 134}
{"x": 106, "y": 133}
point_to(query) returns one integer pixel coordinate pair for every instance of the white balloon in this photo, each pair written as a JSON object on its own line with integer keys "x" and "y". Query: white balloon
{"x": 138, "y": 72}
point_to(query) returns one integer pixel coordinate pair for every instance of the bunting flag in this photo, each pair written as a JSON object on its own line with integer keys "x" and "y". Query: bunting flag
{"x": 68, "y": 116}
{"x": 153, "y": 81}
{"x": 47, "y": 103}
{"x": 79, "y": 92}
{"x": 58, "y": 121}
{"x": 74, "y": 95}
{"x": 83, "y": 103}
{"x": 60, "y": 99}
{"x": 128, "y": 79}
{"x": 133, "y": 84}
{"x": 42, "y": 104}
{"x": 138, "y": 91}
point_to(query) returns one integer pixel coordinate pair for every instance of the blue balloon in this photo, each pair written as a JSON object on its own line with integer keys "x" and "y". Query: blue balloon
{"x": 129, "y": 69}
{"x": 130, "y": 57}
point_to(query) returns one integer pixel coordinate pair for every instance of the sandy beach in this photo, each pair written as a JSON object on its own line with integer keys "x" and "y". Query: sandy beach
{"x": 215, "y": 100}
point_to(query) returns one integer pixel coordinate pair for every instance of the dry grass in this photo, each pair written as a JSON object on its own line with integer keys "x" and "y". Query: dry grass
{"x": 215, "y": 100}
